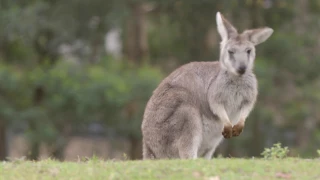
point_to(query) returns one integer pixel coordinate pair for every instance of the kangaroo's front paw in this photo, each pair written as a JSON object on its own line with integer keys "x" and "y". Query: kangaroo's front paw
{"x": 237, "y": 129}
{"x": 227, "y": 131}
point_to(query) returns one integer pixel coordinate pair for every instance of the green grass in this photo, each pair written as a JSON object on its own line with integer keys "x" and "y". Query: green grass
{"x": 220, "y": 168}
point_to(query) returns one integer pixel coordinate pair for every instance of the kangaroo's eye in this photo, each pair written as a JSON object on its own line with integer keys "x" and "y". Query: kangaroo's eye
{"x": 248, "y": 51}
{"x": 230, "y": 52}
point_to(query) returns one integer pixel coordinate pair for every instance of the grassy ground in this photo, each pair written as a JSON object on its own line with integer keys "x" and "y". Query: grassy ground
{"x": 216, "y": 169}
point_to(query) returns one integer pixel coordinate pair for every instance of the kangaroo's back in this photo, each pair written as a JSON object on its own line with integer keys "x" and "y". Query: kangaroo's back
{"x": 163, "y": 120}
{"x": 187, "y": 84}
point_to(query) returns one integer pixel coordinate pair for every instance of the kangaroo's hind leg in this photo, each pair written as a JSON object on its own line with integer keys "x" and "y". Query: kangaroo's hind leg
{"x": 209, "y": 153}
{"x": 147, "y": 153}
{"x": 191, "y": 133}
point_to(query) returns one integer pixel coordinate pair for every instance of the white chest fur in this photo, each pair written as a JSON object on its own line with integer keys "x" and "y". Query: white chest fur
{"x": 236, "y": 94}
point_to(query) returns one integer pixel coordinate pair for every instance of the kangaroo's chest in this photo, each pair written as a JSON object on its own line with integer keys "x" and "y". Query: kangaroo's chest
{"x": 236, "y": 95}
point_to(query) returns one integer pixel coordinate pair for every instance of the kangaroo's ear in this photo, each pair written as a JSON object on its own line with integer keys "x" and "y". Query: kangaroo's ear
{"x": 225, "y": 28}
{"x": 257, "y": 36}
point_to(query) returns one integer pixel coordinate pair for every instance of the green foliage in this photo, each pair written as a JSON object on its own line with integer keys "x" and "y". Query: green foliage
{"x": 275, "y": 152}
{"x": 76, "y": 95}
{"x": 114, "y": 92}
{"x": 318, "y": 152}
{"x": 100, "y": 93}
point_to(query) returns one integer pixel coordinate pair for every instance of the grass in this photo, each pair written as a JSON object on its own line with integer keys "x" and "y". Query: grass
{"x": 215, "y": 169}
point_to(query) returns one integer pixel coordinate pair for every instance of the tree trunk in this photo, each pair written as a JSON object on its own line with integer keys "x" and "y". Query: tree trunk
{"x": 61, "y": 141}
{"x": 35, "y": 151}
{"x": 302, "y": 137}
{"x": 136, "y": 148}
{"x": 3, "y": 142}
{"x": 58, "y": 146}
{"x": 45, "y": 52}
{"x": 58, "y": 152}
{"x": 136, "y": 34}
{"x": 230, "y": 150}
{"x": 255, "y": 13}
{"x": 256, "y": 21}
{"x": 304, "y": 133}
{"x": 301, "y": 16}
{"x": 136, "y": 145}
{"x": 257, "y": 140}
{"x": 35, "y": 144}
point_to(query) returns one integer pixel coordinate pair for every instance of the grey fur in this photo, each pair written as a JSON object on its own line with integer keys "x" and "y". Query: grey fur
{"x": 199, "y": 103}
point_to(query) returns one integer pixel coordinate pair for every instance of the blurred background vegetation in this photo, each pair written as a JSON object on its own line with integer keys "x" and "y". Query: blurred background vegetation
{"x": 75, "y": 71}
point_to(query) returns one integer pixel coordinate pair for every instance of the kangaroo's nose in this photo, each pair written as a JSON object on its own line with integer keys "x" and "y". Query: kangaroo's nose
{"x": 242, "y": 69}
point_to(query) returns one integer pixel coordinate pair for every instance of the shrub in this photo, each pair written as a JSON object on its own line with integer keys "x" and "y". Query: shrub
{"x": 276, "y": 151}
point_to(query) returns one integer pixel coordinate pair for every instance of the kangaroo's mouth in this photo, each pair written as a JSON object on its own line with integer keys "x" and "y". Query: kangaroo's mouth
{"x": 241, "y": 70}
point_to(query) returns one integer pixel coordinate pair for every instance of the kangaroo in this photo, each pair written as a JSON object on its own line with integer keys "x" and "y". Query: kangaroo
{"x": 200, "y": 103}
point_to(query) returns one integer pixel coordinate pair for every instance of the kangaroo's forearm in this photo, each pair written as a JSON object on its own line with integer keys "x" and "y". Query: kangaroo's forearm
{"x": 244, "y": 113}
{"x": 220, "y": 111}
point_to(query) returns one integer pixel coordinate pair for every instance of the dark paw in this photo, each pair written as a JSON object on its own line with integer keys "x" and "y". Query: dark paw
{"x": 227, "y": 131}
{"x": 237, "y": 129}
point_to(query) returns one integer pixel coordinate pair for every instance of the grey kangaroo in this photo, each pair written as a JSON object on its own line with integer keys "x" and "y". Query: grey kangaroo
{"x": 199, "y": 103}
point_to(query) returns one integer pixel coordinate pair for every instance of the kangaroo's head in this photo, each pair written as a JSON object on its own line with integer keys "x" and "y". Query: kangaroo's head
{"x": 237, "y": 51}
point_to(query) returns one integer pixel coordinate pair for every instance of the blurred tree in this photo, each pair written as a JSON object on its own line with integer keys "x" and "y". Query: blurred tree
{"x": 136, "y": 32}
{"x": 3, "y": 142}
{"x": 53, "y": 96}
